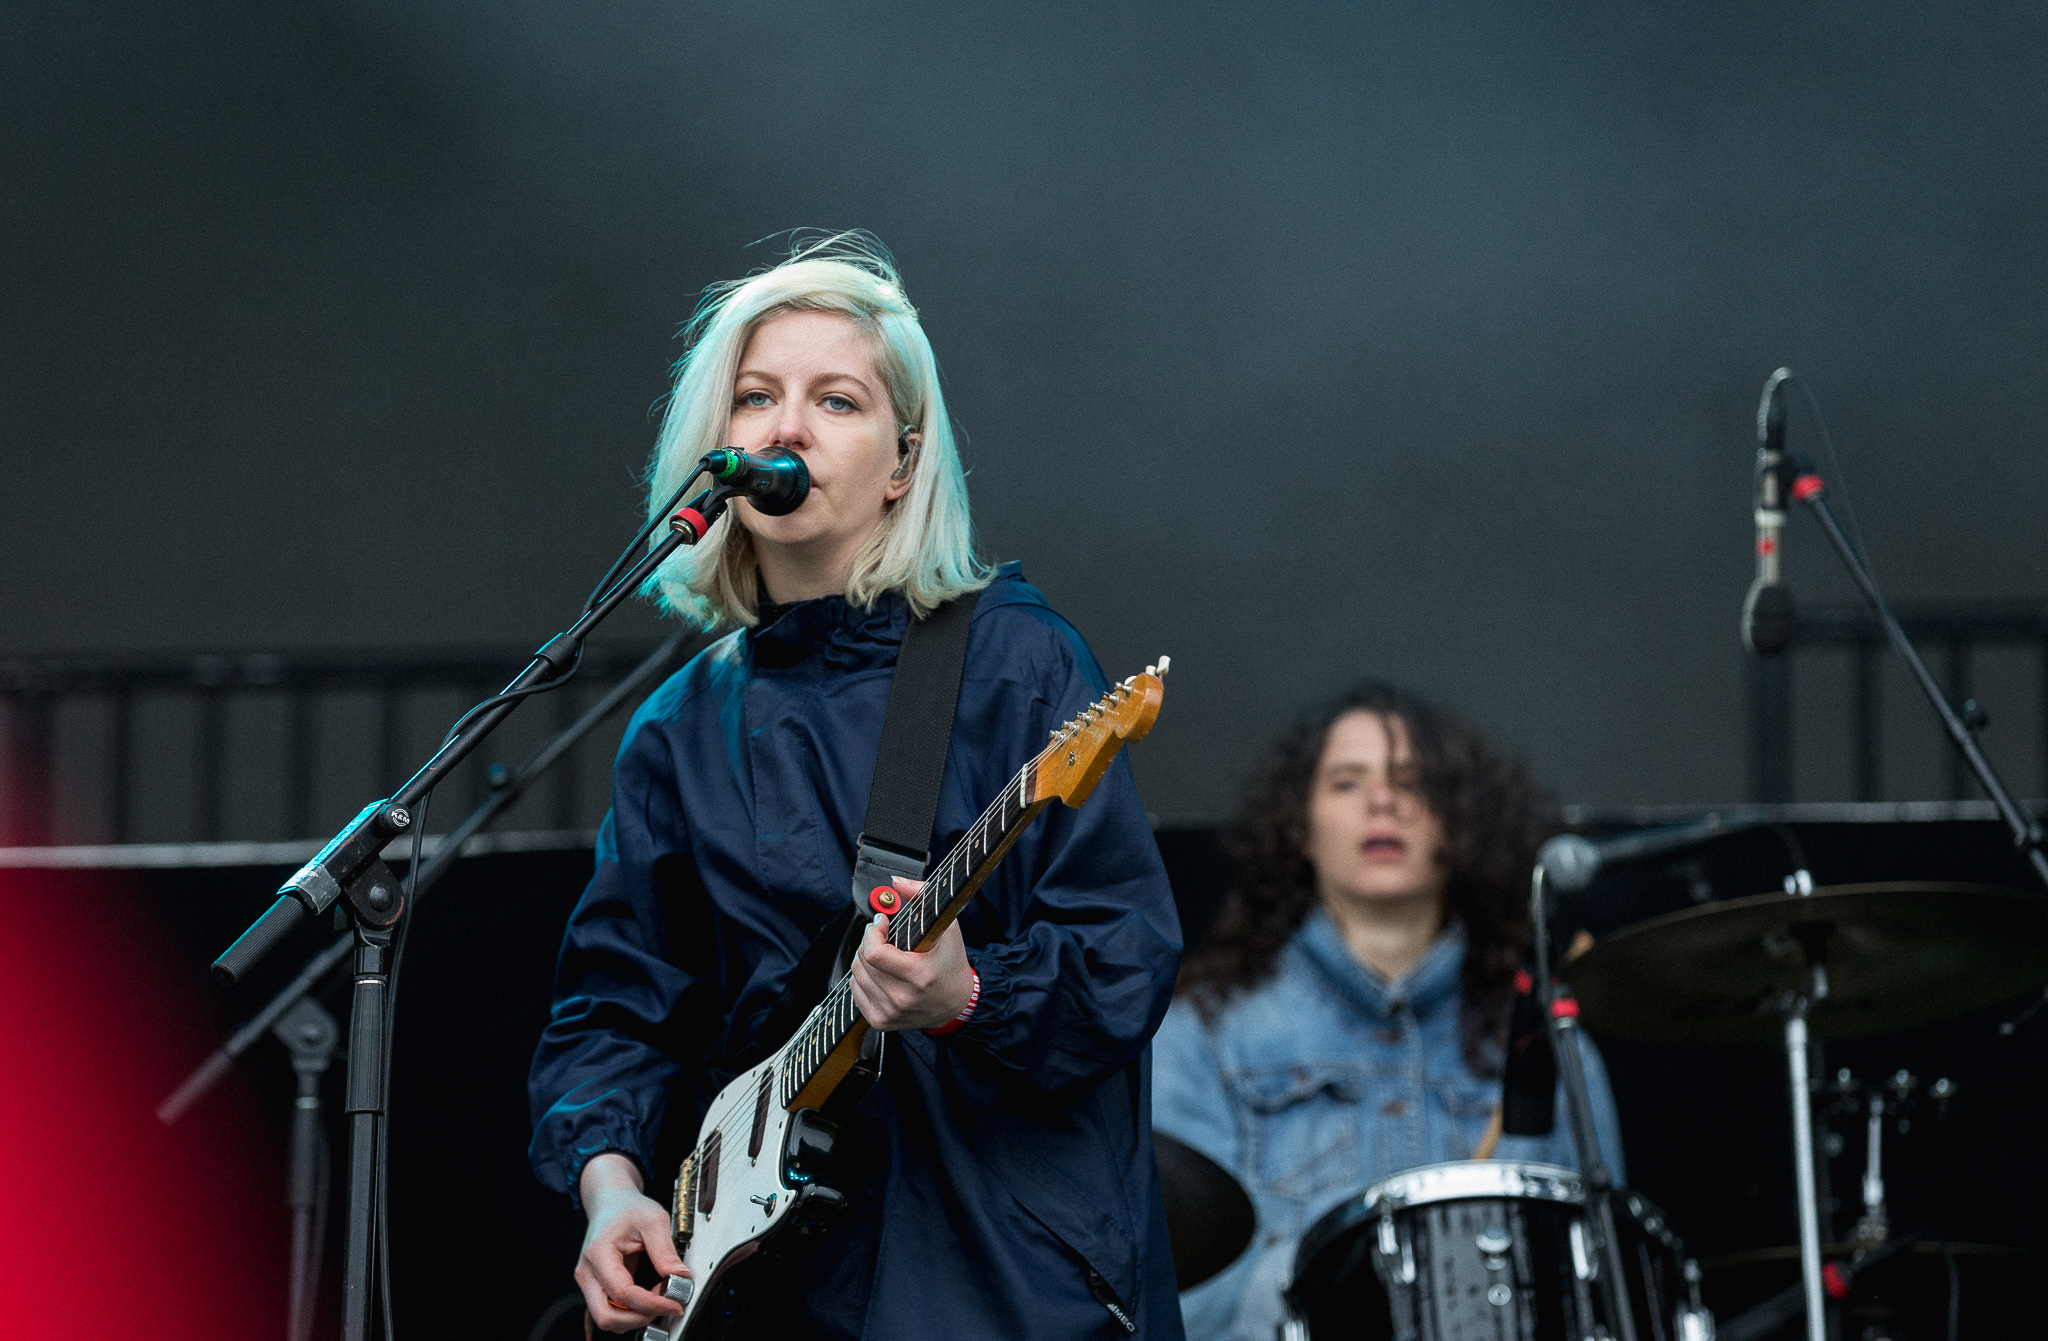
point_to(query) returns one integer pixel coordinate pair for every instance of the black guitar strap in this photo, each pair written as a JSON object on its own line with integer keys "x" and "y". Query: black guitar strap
{"x": 916, "y": 729}
{"x": 902, "y": 803}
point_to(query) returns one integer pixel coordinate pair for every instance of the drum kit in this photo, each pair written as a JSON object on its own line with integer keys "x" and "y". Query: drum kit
{"x": 1495, "y": 1249}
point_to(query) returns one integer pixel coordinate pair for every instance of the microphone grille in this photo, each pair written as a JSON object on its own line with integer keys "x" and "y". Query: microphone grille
{"x": 1569, "y": 862}
{"x": 1768, "y": 617}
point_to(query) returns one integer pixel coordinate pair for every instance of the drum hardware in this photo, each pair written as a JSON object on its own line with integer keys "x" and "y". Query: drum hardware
{"x": 1839, "y": 962}
{"x": 1794, "y": 1009}
{"x": 1895, "y": 1099}
{"x": 1490, "y": 1249}
{"x": 1902, "y": 1290}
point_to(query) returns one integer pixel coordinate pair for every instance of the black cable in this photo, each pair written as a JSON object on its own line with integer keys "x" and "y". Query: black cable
{"x": 398, "y": 940}
{"x": 631, "y": 551}
{"x": 1838, "y": 482}
{"x": 513, "y": 695}
{"x": 606, "y": 584}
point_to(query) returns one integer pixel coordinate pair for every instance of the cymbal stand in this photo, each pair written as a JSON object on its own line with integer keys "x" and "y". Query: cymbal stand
{"x": 1795, "y": 1007}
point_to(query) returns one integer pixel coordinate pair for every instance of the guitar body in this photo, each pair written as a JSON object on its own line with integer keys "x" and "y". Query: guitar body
{"x": 754, "y": 1191}
{"x": 758, "y": 1183}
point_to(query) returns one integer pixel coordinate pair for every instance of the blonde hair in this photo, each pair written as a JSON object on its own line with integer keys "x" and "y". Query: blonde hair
{"x": 924, "y": 546}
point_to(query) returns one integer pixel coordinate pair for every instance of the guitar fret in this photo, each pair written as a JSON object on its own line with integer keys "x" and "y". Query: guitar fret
{"x": 836, "y": 1016}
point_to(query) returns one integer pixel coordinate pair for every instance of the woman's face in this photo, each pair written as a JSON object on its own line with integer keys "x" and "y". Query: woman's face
{"x": 1371, "y": 836}
{"x": 807, "y": 383}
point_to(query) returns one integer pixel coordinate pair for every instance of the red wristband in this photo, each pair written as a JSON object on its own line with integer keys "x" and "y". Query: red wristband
{"x": 966, "y": 1012}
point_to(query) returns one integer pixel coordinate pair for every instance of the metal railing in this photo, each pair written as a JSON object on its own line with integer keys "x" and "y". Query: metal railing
{"x": 270, "y": 745}
{"x": 1953, "y": 638}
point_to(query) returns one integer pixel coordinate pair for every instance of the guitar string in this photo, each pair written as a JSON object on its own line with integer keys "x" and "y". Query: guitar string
{"x": 822, "y": 1023}
{"x": 807, "y": 1046}
{"x": 741, "y": 1113}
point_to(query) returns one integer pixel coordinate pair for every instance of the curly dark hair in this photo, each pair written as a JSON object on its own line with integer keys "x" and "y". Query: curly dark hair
{"x": 1494, "y": 817}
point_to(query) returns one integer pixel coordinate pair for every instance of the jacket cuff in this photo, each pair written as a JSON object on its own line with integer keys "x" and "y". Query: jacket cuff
{"x": 991, "y": 1006}
{"x": 954, "y": 1025}
{"x": 582, "y": 1157}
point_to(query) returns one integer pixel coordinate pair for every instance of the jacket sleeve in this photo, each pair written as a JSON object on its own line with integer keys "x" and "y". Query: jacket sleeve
{"x": 1190, "y": 1102}
{"x": 624, "y": 1018}
{"x": 1078, "y": 949}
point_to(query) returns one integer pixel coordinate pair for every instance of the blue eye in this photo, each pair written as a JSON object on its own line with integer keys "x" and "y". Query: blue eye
{"x": 839, "y": 403}
{"x": 754, "y": 399}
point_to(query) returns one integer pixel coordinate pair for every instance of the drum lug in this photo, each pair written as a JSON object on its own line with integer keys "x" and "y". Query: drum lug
{"x": 1395, "y": 1243}
{"x": 1585, "y": 1263}
{"x": 1695, "y": 1324}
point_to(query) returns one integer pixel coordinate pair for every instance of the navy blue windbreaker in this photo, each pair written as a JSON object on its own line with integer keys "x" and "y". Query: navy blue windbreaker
{"x": 1004, "y": 1183}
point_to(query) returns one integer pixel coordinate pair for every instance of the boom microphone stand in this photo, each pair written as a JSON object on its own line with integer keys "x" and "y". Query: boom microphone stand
{"x": 348, "y": 873}
{"x": 2027, "y": 836}
{"x": 319, "y": 968}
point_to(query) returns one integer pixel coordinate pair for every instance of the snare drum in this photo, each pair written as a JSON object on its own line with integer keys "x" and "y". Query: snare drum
{"x": 1485, "y": 1250}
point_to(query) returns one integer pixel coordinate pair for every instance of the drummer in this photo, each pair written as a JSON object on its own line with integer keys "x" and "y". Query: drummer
{"x": 1346, "y": 1018}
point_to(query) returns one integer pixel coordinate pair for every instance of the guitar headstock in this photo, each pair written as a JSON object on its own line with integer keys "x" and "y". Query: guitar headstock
{"x": 1081, "y": 750}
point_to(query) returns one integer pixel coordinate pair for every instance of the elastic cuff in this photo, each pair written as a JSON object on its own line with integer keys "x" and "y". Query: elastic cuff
{"x": 953, "y": 1025}
{"x": 992, "y": 1010}
{"x": 575, "y": 1188}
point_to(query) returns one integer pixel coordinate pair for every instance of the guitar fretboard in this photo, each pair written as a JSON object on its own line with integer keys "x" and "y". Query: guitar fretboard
{"x": 955, "y": 880}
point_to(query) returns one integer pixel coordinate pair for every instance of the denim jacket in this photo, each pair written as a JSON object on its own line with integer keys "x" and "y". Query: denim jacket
{"x": 1321, "y": 1082}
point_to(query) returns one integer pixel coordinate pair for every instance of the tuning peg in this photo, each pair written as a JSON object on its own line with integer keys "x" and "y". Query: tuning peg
{"x": 1164, "y": 662}
{"x": 1151, "y": 670}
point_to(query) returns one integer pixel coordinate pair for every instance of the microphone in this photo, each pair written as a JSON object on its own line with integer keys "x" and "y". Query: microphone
{"x": 1570, "y": 862}
{"x": 1767, "y": 613}
{"x": 776, "y": 482}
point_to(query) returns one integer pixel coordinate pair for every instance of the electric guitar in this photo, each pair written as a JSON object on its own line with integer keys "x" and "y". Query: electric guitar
{"x": 753, "y": 1185}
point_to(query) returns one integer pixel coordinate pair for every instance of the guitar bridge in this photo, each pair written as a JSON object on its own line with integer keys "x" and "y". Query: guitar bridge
{"x": 680, "y": 1211}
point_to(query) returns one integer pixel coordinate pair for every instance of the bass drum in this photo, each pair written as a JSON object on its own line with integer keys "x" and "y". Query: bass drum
{"x": 1485, "y": 1250}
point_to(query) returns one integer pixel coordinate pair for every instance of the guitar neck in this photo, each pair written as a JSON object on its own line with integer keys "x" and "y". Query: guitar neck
{"x": 813, "y": 1063}
{"x": 819, "y": 1054}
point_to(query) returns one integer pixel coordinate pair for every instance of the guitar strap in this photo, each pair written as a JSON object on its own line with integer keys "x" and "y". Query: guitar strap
{"x": 903, "y": 801}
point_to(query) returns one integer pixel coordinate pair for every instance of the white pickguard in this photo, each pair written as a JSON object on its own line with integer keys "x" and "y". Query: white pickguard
{"x": 751, "y": 1197}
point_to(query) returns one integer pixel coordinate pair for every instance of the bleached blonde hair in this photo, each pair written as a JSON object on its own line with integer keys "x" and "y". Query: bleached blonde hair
{"x": 924, "y": 546}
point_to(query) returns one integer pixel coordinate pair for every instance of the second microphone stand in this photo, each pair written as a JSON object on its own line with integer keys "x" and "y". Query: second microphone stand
{"x": 2027, "y": 836}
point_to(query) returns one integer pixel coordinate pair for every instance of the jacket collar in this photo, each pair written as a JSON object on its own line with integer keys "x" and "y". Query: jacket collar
{"x": 1433, "y": 982}
{"x": 848, "y": 635}
{"x": 852, "y": 636}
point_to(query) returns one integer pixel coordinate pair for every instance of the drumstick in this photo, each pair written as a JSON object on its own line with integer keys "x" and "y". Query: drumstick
{"x": 1487, "y": 1142}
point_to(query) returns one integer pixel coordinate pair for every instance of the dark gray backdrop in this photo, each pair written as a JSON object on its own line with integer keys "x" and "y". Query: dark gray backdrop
{"x": 342, "y": 323}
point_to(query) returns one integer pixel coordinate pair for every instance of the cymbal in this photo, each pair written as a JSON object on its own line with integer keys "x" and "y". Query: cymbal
{"x": 1209, "y": 1219}
{"x": 1896, "y": 955}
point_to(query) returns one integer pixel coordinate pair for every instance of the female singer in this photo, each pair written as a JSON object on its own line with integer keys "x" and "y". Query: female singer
{"x": 1346, "y": 1018}
{"x": 1001, "y": 1179}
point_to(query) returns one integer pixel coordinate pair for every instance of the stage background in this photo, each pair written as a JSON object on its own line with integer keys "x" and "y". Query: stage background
{"x": 1300, "y": 341}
